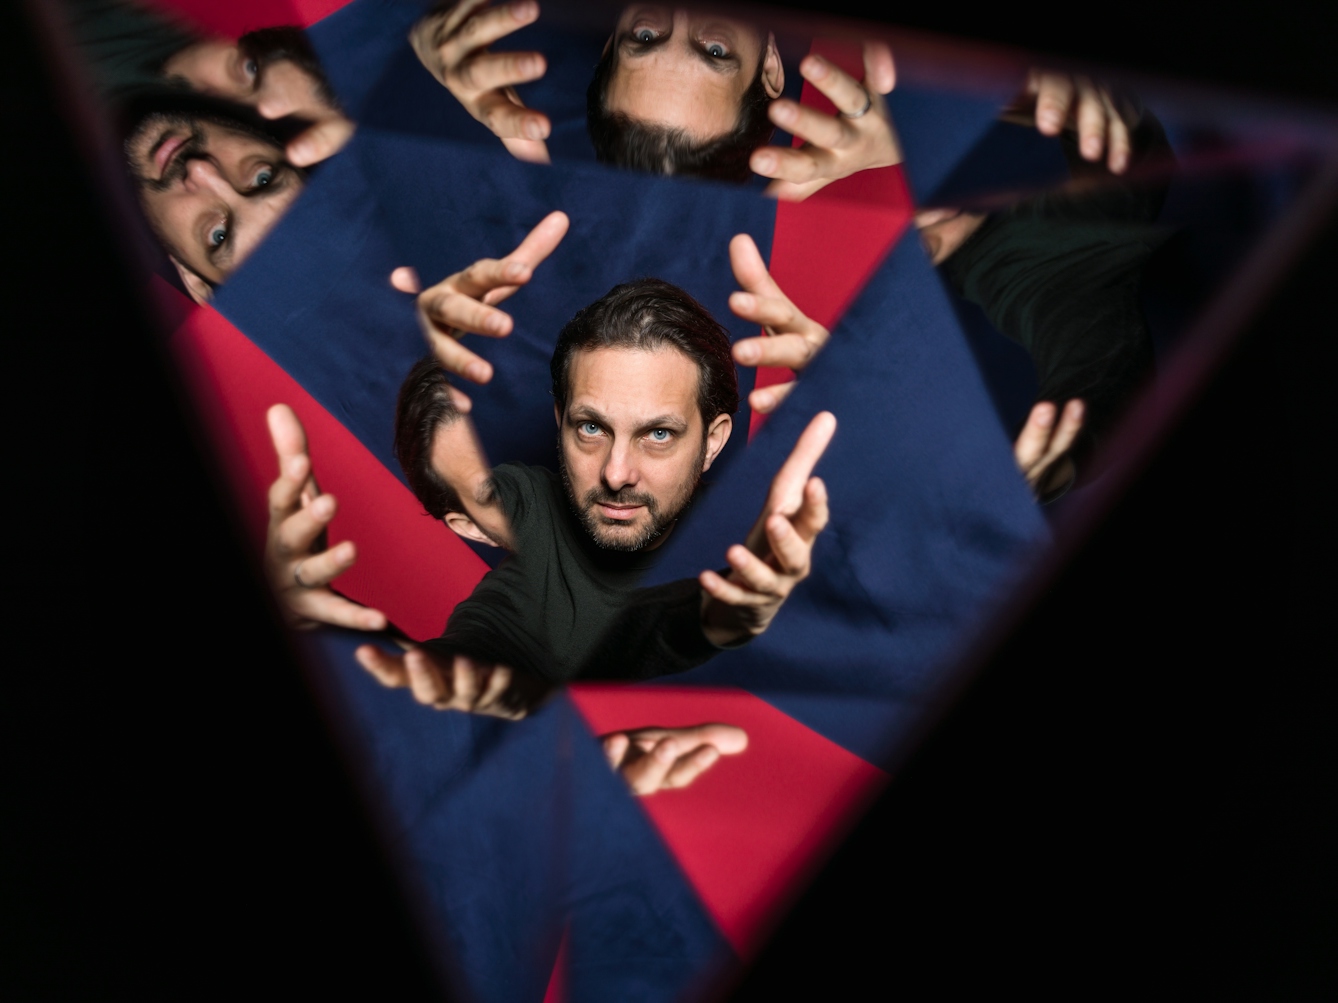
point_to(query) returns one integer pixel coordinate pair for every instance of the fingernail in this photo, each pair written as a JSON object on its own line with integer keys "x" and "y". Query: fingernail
{"x": 322, "y": 507}
{"x": 746, "y": 353}
{"x": 1049, "y": 119}
{"x": 477, "y": 371}
{"x": 525, "y": 10}
{"x": 516, "y": 270}
{"x": 764, "y": 162}
{"x": 813, "y": 67}
{"x": 534, "y": 129}
{"x": 1045, "y": 416}
{"x": 300, "y": 152}
{"x": 496, "y": 325}
{"x": 1091, "y": 147}
{"x": 785, "y": 113}
{"x": 665, "y": 751}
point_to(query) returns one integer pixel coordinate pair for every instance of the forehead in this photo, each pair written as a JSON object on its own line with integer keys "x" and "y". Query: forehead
{"x": 632, "y": 383}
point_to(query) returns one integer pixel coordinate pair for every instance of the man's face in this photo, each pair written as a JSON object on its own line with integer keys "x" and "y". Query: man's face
{"x": 686, "y": 70}
{"x": 280, "y": 88}
{"x": 633, "y": 444}
{"x": 210, "y": 191}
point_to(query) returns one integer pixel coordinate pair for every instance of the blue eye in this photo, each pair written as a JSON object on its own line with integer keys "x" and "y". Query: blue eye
{"x": 251, "y": 68}
{"x": 264, "y": 177}
{"x": 644, "y": 35}
{"x": 217, "y": 235}
{"x": 660, "y": 435}
{"x": 717, "y": 50}
{"x": 588, "y": 428}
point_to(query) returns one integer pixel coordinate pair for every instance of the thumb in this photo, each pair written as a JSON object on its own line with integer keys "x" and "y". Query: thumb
{"x": 322, "y": 141}
{"x": 405, "y": 279}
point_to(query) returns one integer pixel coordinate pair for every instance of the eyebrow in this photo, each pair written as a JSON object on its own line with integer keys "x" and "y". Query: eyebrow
{"x": 667, "y": 421}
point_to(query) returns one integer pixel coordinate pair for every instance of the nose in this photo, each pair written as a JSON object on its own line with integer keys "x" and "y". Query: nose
{"x": 203, "y": 176}
{"x": 619, "y": 469}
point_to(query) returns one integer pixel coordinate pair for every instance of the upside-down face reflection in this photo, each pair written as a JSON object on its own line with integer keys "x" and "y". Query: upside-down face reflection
{"x": 211, "y": 191}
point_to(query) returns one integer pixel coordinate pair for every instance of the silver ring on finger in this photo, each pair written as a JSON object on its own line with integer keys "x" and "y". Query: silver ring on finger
{"x": 868, "y": 103}
{"x": 297, "y": 575}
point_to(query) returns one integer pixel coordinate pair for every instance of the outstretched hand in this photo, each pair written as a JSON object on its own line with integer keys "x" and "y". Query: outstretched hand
{"x": 1055, "y": 101}
{"x": 792, "y": 339}
{"x": 465, "y": 303}
{"x": 453, "y": 682}
{"x": 297, "y": 563}
{"x": 452, "y": 44}
{"x": 778, "y": 553}
{"x": 656, "y": 759}
{"x": 1042, "y": 448}
{"x": 860, "y": 137}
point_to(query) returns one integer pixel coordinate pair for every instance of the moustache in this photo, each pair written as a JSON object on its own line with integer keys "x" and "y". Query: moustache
{"x": 623, "y": 496}
{"x": 189, "y": 150}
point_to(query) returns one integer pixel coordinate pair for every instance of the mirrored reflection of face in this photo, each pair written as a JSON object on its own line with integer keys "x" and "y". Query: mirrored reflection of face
{"x": 211, "y": 191}
{"x": 276, "y": 89}
{"x": 683, "y": 70}
{"x": 633, "y": 444}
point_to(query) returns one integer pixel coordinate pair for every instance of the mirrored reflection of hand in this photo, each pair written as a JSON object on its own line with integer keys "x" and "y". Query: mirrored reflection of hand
{"x": 793, "y": 338}
{"x": 835, "y": 146}
{"x": 657, "y": 759}
{"x": 778, "y": 553}
{"x": 1075, "y": 101}
{"x": 452, "y": 43}
{"x": 452, "y": 682}
{"x": 465, "y": 303}
{"x": 297, "y": 564}
{"x": 1042, "y": 448}
{"x": 321, "y": 141}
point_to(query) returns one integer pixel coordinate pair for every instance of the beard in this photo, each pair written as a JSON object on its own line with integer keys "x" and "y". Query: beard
{"x": 606, "y": 532}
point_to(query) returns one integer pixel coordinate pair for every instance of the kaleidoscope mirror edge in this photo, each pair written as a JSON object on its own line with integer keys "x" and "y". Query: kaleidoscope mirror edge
{"x": 652, "y": 475}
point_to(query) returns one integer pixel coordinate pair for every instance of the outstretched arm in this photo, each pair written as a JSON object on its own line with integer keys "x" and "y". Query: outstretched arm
{"x": 778, "y": 553}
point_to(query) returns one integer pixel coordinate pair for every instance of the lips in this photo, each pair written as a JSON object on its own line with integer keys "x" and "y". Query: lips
{"x": 167, "y": 148}
{"x": 622, "y": 513}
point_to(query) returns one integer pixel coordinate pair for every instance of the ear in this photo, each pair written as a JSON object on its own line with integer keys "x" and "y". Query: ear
{"x": 200, "y": 290}
{"x": 773, "y": 71}
{"x": 607, "y": 45}
{"x": 557, "y": 415}
{"x": 462, "y": 525}
{"x": 716, "y": 437}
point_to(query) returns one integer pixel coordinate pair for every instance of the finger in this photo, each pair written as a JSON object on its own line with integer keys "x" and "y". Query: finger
{"x": 732, "y": 593}
{"x": 485, "y": 27}
{"x": 295, "y": 534}
{"x": 455, "y": 358}
{"x": 460, "y": 399}
{"x": 689, "y": 767}
{"x": 322, "y": 141}
{"x": 498, "y": 682}
{"x": 405, "y": 279}
{"x": 1066, "y": 432}
{"x": 507, "y": 119}
{"x": 728, "y": 738}
{"x": 1054, "y": 96}
{"x": 793, "y": 351}
{"x": 615, "y": 747}
{"x": 388, "y": 669}
{"x": 1091, "y": 118}
{"x": 290, "y": 441}
{"x": 466, "y": 679}
{"x": 789, "y": 551}
{"x": 319, "y": 570}
{"x": 788, "y": 485}
{"x": 495, "y": 71}
{"x": 767, "y": 399}
{"x": 1119, "y": 144}
{"x": 836, "y": 84}
{"x": 749, "y": 268}
{"x": 827, "y": 132}
{"x": 1035, "y": 435}
{"x": 450, "y": 22}
{"x": 325, "y": 606}
{"x": 426, "y": 680}
{"x": 753, "y": 572}
{"x": 542, "y": 241}
{"x": 454, "y": 303}
{"x": 646, "y": 774}
{"x": 880, "y": 72}
{"x": 811, "y": 519}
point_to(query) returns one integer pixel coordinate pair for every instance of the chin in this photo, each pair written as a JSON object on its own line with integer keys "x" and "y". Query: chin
{"x": 620, "y": 536}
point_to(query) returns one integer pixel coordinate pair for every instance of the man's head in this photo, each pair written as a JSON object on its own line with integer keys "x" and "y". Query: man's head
{"x": 273, "y": 70}
{"x": 644, "y": 390}
{"x": 212, "y": 186}
{"x": 683, "y": 92}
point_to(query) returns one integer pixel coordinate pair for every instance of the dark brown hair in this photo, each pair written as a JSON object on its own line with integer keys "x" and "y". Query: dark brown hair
{"x": 649, "y": 314}
{"x": 424, "y": 406}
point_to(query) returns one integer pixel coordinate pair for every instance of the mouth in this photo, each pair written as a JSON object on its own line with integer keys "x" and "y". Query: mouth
{"x": 165, "y": 149}
{"x": 619, "y": 513}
